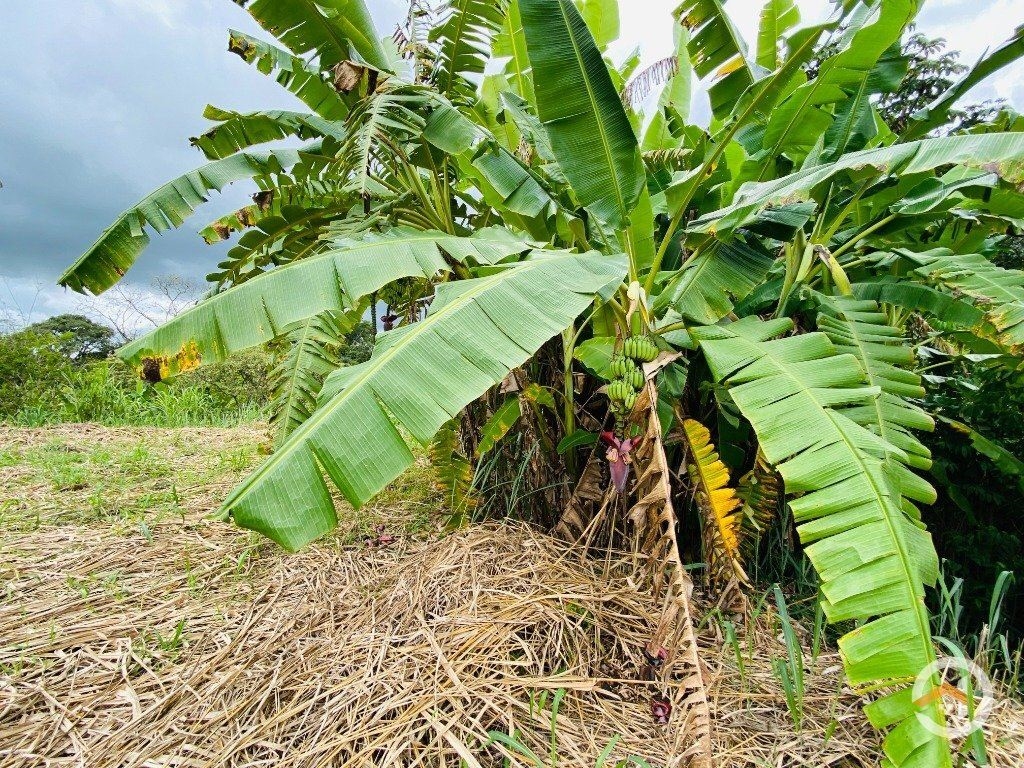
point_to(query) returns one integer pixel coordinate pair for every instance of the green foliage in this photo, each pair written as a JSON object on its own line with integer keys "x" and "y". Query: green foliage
{"x": 40, "y": 385}
{"x": 32, "y": 366}
{"x": 970, "y": 521}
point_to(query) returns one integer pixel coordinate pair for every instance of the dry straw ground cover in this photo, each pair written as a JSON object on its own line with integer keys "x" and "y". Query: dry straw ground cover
{"x": 136, "y": 632}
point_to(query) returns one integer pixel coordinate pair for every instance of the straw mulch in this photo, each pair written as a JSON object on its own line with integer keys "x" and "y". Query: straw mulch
{"x": 207, "y": 647}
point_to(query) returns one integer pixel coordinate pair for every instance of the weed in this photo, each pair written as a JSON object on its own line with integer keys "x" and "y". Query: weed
{"x": 515, "y": 743}
{"x": 790, "y": 671}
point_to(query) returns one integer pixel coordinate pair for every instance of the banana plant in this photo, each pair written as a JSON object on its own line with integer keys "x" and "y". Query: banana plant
{"x": 772, "y": 259}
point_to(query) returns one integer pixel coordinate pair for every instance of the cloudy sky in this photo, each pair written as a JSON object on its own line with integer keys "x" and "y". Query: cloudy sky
{"x": 100, "y": 96}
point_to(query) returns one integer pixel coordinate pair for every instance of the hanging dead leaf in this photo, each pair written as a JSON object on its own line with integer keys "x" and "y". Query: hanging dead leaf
{"x": 347, "y": 76}
{"x": 654, "y": 524}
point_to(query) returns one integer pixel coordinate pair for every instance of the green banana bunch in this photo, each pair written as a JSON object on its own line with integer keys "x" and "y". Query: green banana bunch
{"x": 640, "y": 348}
{"x": 619, "y": 390}
{"x": 620, "y": 367}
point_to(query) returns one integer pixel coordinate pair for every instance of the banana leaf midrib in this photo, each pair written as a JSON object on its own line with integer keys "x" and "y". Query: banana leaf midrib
{"x": 876, "y": 402}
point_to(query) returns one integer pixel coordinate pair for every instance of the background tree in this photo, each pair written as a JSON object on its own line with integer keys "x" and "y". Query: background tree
{"x": 77, "y": 337}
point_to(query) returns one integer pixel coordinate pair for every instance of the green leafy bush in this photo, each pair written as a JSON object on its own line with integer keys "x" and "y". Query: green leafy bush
{"x": 32, "y": 369}
{"x": 40, "y": 384}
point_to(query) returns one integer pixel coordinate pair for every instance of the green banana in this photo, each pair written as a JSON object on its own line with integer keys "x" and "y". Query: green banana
{"x": 620, "y": 367}
{"x": 635, "y": 378}
{"x": 619, "y": 390}
{"x": 640, "y": 348}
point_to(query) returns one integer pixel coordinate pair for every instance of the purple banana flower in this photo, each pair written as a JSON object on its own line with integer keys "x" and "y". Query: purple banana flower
{"x": 618, "y": 459}
{"x": 661, "y": 710}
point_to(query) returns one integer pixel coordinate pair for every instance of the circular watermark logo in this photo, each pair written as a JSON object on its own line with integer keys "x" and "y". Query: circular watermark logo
{"x": 964, "y": 691}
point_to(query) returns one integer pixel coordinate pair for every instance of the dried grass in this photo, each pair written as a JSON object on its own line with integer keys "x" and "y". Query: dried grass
{"x": 402, "y": 655}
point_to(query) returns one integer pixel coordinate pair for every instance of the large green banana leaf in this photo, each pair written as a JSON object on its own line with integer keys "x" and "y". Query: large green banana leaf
{"x": 873, "y": 560}
{"x": 920, "y": 298}
{"x": 716, "y": 44}
{"x": 1000, "y": 292}
{"x": 119, "y": 246}
{"x": 602, "y": 18}
{"x": 505, "y": 182}
{"x": 705, "y": 289}
{"x": 797, "y": 123}
{"x": 264, "y": 307}
{"x": 237, "y": 131}
{"x": 419, "y": 377}
{"x": 777, "y": 18}
{"x": 465, "y": 43}
{"x": 590, "y": 134}
{"x": 1000, "y": 153}
{"x": 332, "y": 30}
{"x": 292, "y": 232}
{"x": 291, "y": 73}
{"x": 511, "y": 43}
{"x": 859, "y": 328}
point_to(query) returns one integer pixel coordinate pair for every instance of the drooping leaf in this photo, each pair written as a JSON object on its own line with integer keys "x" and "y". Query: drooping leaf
{"x": 419, "y": 377}
{"x": 999, "y": 153}
{"x": 116, "y": 250}
{"x": 921, "y": 298}
{"x": 873, "y": 560}
{"x": 1003, "y": 459}
{"x": 331, "y": 30}
{"x": 718, "y": 505}
{"x": 291, "y": 73}
{"x": 293, "y": 232}
{"x": 705, "y": 289}
{"x": 261, "y": 309}
{"x": 590, "y": 135}
{"x": 504, "y": 181}
{"x": 237, "y": 131}
{"x": 998, "y": 292}
{"x": 936, "y": 190}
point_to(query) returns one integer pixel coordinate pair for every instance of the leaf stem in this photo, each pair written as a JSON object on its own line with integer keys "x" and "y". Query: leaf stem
{"x": 862, "y": 234}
